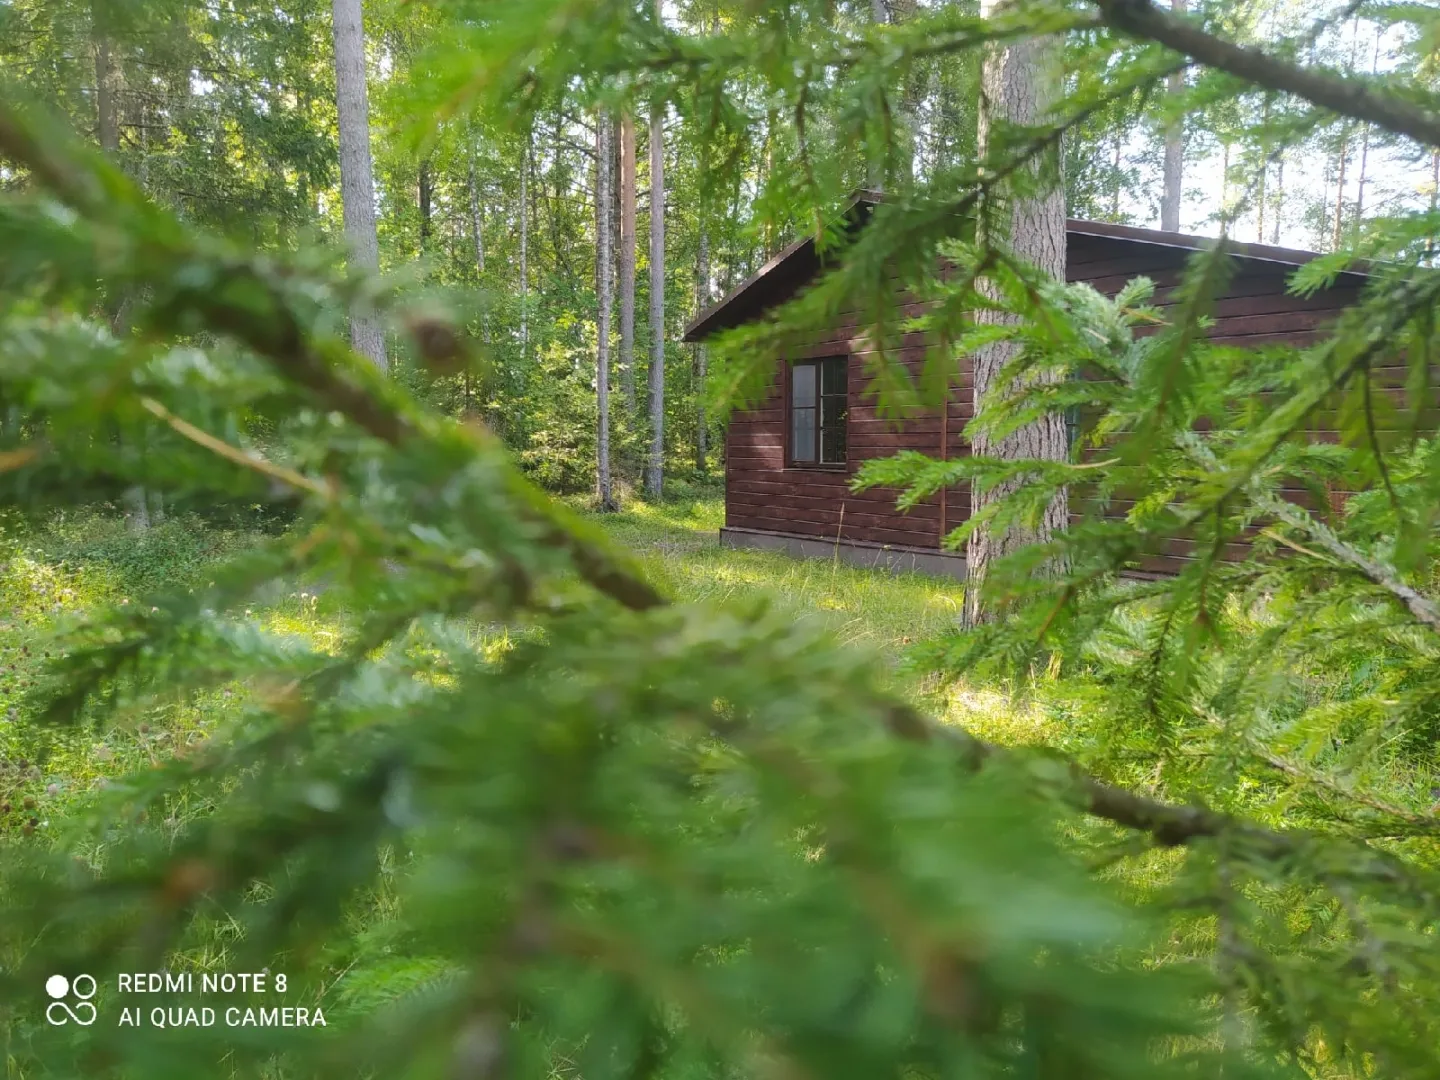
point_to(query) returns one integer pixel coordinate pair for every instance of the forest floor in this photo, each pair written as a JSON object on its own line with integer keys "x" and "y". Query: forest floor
{"x": 77, "y": 562}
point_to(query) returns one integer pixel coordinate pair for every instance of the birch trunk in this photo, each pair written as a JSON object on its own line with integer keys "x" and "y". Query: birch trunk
{"x": 627, "y": 260}
{"x": 702, "y": 355}
{"x": 655, "y": 466}
{"x": 604, "y": 205}
{"x": 357, "y": 178}
{"x": 1174, "y": 164}
{"x": 1018, "y": 86}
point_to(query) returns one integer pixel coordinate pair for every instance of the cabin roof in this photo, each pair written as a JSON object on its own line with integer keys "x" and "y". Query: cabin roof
{"x": 799, "y": 262}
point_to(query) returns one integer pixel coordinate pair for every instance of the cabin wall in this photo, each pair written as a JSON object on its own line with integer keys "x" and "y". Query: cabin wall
{"x": 762, "y": 493}
{"x": 1253, "y": 310}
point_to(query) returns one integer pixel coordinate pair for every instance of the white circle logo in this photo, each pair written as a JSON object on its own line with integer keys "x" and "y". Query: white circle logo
{"x": 59, "y": 1011}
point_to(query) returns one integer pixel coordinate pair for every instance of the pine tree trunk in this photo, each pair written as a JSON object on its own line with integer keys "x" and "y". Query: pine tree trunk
{"x": 627, "y": 260}
{"x": 1279, "y": 200}
{"x": 525, "y": 251}
{"x": 911, "y": 93}
{"x": 426, "y": 194}
{"x": 771, "y": 119}
{"x": 604, "y": 205}
{"x": 1115, "y": 190}
{"x": 357, "y": 178}
{"x": 1174, "y": 164}
{"x": 1018, "y": 86}
{"x": 655, "y": 466}
{"x": 1338, "y": 230}
{"x": 1360, "y": 181}
{"x": 477, "y": 232}
{"x": 477, "y": 227}
{"x": 1264, "y": 176}
{"x": 135, "y": 500}
{"x": 702, "y": 356}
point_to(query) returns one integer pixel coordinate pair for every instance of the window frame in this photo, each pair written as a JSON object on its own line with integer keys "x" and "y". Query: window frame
{"x": 818, "y": 363}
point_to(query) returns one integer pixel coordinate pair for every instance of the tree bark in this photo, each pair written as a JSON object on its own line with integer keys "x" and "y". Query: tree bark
{"x": 702, "y": 354}
{"x": 1338, "y": 229}
{"x": 1174, "y": 165}
{"x": 604, "y": 205}
{"x": 525, "y": 250}
{"x": 1279, "y": 199}
{"x": 655, "y": 466}
{"x": 135, "y": 500}
{"x": 426, "y": 198}
{"x": 477, "y": 227}
{"x": 627, "y": 260}
{"x": 1361, "y": 180}
{"x": 357, "y": 177}
{"x": 1019, "y": 83}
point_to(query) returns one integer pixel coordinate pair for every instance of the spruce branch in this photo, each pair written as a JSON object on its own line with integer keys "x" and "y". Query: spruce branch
{"x": 1346, "y": 96}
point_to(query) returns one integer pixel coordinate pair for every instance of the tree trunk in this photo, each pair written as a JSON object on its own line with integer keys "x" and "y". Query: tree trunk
{"x": 1279, "y": 199}
{"x": 1225, "y": 184}
{"x": 1174, "y": 165}
{"x": 1338, "y": 230}
{"x": 525, "y": 250}
{"x": 135, "y": 500}
{"x": 627, "y": 260}
{"x": 702, "y": 355}
{"x": 357, "y": 179}
{"x": 1360, "y": 181}
{"x": 911, "y": 93}
{"x": 1115, "y": 179}
{"x": 1018, "y": 86}
{"x": 771, "y": 244}
{"x": 477, "y": 227}
{"x": 1264, "y": 176}
{"x": 604, "y": 204}
{"x": 427, "y": 198}
{"x": 655, "y": 466}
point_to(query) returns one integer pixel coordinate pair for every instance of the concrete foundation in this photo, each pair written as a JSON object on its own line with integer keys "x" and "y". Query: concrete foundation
{"x": 853, "y": 552}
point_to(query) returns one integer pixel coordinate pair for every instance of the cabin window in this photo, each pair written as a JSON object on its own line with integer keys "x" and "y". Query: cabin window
{"x": 818, "y": 407}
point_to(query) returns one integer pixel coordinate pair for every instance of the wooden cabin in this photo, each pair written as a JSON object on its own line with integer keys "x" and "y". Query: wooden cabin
{"x": 789, "y": 461}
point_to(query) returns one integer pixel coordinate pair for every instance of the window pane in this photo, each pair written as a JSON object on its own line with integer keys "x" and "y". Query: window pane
{"x": 802, "y": 434}
{"x": 802, "y": 386}
{"x": 833, "y": 376}
{"x": 832, "y": 445}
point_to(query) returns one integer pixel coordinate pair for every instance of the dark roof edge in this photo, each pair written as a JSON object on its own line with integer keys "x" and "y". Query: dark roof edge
{"x": 698, "y": 328}
{"x": 1190, "y": 242}
{"x": 703, "y": 324}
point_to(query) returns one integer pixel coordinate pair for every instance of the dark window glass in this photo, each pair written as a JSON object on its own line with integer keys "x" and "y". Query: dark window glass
{"x": 818, "y": 408}
{"x": 802, "y": 413}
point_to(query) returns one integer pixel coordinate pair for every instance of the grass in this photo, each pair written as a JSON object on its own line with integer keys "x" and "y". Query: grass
{"x": 880, "y": 610}
{"x": 80, "y": 561}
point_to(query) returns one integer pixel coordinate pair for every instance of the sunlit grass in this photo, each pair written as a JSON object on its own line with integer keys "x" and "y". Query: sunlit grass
{"x": 679, "y": 544}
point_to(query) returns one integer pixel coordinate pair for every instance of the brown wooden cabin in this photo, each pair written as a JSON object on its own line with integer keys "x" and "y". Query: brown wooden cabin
{"x": 789, "y": 461}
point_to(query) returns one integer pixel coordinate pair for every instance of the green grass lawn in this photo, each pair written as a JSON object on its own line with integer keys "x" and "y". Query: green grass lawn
{"x": 678, "y": 542}
{"x": 76, "y": 562}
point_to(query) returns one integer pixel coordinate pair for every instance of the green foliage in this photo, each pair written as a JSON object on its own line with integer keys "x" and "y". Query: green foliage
{"x": 552, "y": 820}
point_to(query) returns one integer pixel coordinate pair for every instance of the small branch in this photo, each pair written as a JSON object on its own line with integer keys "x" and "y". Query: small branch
{"x": 1378, "y": 573}
{"x": 1347, "y": 97}
{"x": 232, "y": 453}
